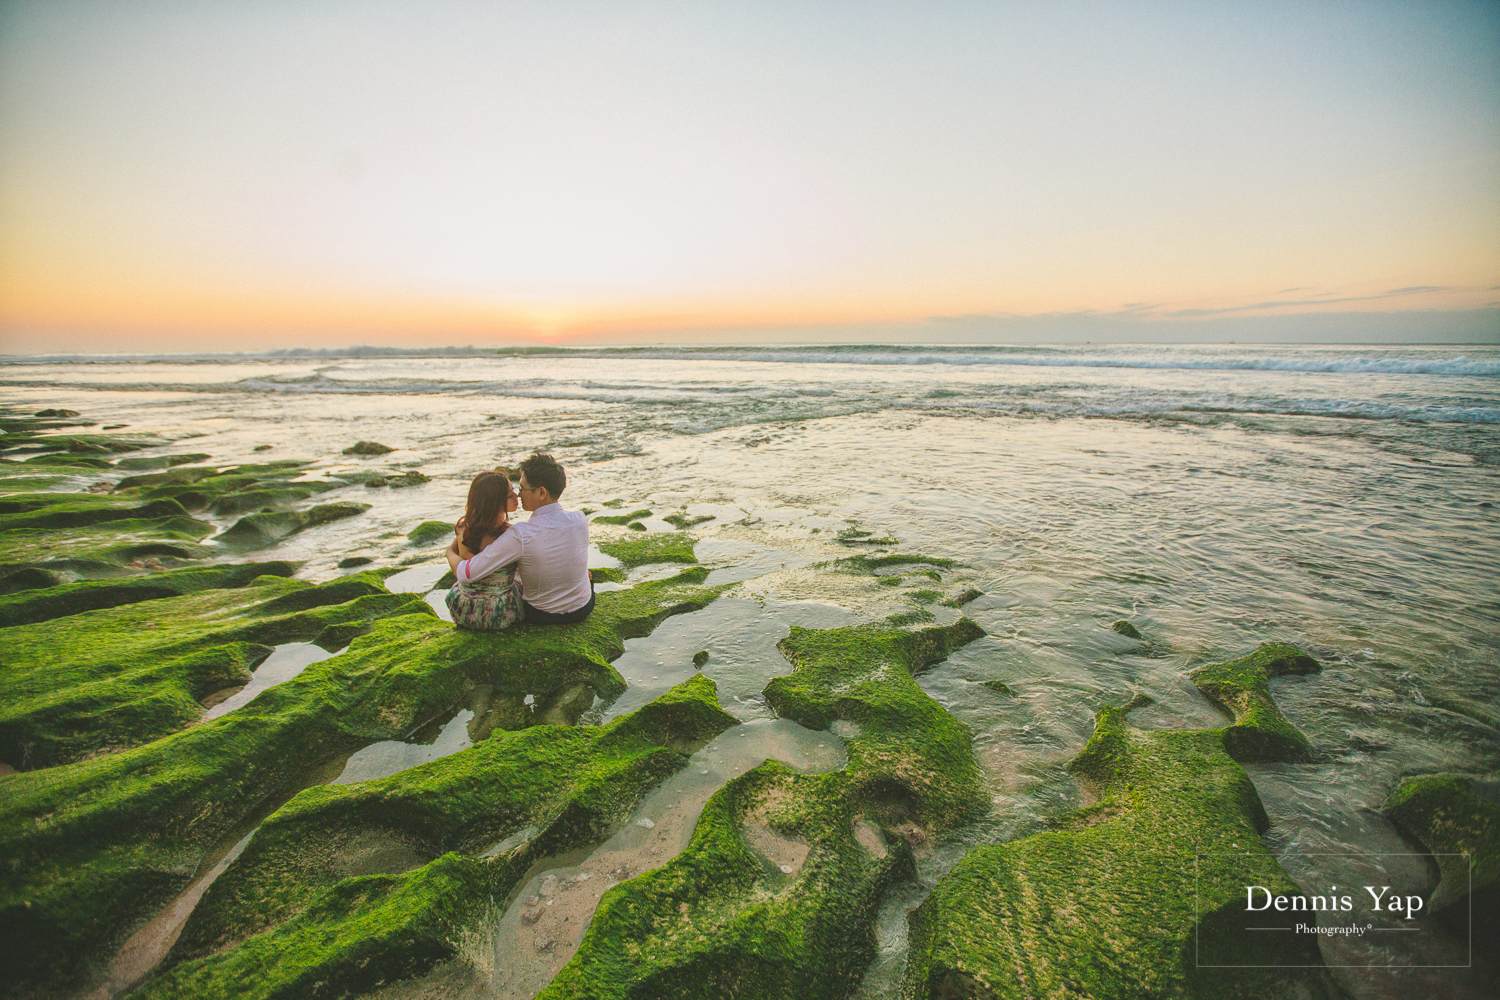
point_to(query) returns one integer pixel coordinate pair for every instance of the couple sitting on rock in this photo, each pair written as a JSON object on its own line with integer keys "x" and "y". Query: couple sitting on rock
{"x": 534, "y": 570}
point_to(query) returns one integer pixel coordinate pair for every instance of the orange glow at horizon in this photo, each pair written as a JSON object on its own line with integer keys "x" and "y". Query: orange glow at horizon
{"x": 271, "y": 318}
{"x": 540, "y": 176}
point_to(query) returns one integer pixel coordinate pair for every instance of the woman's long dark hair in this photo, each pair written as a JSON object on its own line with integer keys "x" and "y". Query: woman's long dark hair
{"x": 485, "y": 511}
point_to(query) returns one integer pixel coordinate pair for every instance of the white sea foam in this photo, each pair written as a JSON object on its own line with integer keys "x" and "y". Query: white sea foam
{"x": 845, "y": 355}
{"x": 1380, "y": 361}
{"x": 691, "y": 390}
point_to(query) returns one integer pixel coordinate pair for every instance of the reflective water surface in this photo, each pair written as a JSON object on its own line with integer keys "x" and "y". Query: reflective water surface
{"x": 1338, "y": 499}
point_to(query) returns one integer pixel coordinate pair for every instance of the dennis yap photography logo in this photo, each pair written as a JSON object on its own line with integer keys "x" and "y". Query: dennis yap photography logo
{"x": 1259, "y": 899}
{"x": 1251, "y": 914}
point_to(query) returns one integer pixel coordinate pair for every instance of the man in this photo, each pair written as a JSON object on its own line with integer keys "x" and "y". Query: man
{"x": 552, "y": 548}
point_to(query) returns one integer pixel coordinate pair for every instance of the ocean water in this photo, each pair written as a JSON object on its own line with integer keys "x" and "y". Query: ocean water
{"x": 1341, "y": 499}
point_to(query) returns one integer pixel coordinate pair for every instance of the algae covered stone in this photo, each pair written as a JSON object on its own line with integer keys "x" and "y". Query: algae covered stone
{"x": 1137, "y": 895}
{"x": 1446, "y": 815}
{"x": 683, "y": 522}
{"x": 623, "y": 518}
{"x": 177, "y": 476}
{"x": 1241, "y": 688}
{"x": 108, "y": 548}
{"x": 651, "y": 547}
{"x": 368, "y": 448}
{"x": 121, "y": 676}
{"x": 43, "y": 604}
{"x": 261, "y": 530}
{"x": 102, "y": 844}
{"x": 67, "y": 511}
{"x": 97, "y": 844}
{"x": 725, "y": 918}
{"x": 411, "y": 477}
{"x": 236, "y": 489}
{"x": 263, "y": 500}
{"x": 160, "y": 461}
{"x": 430, "y": 531}
{"x": 869, "y": 564}
{"x": 363, "y": 932}
{"x": 573, "y": 785}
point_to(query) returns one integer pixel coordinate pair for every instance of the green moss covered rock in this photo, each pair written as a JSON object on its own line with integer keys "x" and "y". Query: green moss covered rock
{"x": 95, "y": 847}
{"x": 146, "y": 525}
{"x": 869, "y": 564}
{"x": 651, "y": 547}
{"x": 254, "y": 487}
{"x": 114, "y": 678}
{"x": 1123, "y": 898}
{"x": 349, "y": 934}
{"x": 39, "y": 605}
{"x": 1445, "y": 815}
{"x": 623, "y": 518}
{"x": 102, "y": 444}
{"x": 776, "y": 895}
{"x": 411, "y": 477}
{"x": 103, "y": 843}
{"x": 68, "y": 460}
{"x": 430, "y": 531}
{"x": 572, "y": 785}
{"x": 368, "y": 448}
{"x": 258, "y": 499}
{"x": 16, "y": 477}
{"x": 159, "y": 462}
{"x": 176, "y": 476}
{"x": 210, "y": 483}
{"x": 259, "y": 531}
{"x": 107, "y": 548}
{"x": 1241, "y": 688}
{"x": 80, "y": 511}
{"x": 358, "y": 935}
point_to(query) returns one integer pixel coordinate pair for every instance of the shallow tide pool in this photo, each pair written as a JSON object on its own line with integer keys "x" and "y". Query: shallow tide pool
{"x": 1347, "y": 508}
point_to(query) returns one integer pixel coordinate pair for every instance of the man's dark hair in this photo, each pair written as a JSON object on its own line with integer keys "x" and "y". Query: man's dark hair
{"x": 543, "y": 470}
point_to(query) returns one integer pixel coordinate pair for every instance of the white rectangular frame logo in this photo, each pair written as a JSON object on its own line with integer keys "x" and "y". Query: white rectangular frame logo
{"x": 1198, "y": 908}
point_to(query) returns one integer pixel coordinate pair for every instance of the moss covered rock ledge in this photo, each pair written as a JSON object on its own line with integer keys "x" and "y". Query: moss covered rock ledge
{"x": 93, "y": 848}
{"x": 777, "y": 893}
{"x": 311, "y": 926}
{"x": 1125, "y": 898}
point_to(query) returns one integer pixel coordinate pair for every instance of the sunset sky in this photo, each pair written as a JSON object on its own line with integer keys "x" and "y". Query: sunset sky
{"x": 215, "y": 175}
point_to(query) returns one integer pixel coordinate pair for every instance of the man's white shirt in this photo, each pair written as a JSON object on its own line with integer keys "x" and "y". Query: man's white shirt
{"x": 553, "y": 550}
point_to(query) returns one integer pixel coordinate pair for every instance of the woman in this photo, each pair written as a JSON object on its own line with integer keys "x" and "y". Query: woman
{"x": 492, "y": 602}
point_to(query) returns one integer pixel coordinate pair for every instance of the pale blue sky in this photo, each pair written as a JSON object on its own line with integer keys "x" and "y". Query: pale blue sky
{"x": 562, "y": 168}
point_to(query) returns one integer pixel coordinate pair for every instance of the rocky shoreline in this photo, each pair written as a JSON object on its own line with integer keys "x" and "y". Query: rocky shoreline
{"x": 124, "y": 796}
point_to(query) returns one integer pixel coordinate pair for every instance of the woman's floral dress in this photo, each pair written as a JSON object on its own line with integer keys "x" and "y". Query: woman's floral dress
{"x": 488, "y": 604}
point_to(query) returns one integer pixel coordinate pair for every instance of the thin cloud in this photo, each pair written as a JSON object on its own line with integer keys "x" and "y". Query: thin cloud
{"x": 1275, "y": 304}
{"x": 1316, "y": 301}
